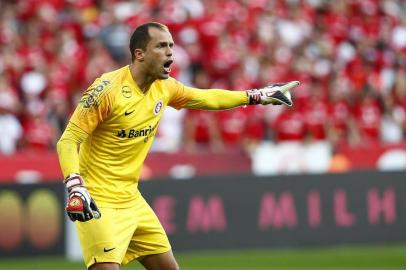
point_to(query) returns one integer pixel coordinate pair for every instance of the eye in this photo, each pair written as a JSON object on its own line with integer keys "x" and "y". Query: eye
{"x": 162, "y": 45}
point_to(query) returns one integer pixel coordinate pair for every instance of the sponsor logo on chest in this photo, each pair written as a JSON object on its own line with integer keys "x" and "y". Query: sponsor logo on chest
{"x": 132, "y": 133}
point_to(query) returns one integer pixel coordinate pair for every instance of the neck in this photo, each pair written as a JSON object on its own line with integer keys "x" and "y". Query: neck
{"x": 142, "y": 79}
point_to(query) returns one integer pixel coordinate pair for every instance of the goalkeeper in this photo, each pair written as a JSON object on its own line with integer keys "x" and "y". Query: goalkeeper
{"x": 104, "y": 145}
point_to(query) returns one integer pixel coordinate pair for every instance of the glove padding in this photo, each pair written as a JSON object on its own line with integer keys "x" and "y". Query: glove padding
{"x": 276, "y": 94}
{"x": 80, "y": 205}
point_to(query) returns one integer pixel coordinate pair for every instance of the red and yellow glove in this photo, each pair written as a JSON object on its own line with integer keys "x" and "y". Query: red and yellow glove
{"x": 80, "y": 205}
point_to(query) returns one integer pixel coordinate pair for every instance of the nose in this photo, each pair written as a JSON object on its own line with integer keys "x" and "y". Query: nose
{"x": 169, "y": 51}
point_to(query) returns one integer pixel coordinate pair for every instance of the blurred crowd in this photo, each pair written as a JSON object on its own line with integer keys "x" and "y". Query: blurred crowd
{"x": 349, "y": 55}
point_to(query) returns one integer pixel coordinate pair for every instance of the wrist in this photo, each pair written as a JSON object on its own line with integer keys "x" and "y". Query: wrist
{"x": 74, "y": 180}
{"x": 253, "y": 96}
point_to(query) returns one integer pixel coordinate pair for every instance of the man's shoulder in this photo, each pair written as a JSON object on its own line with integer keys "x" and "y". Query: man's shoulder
{"x": 170, "y": 83}
{"x": 106, "y": 84}
{"x": 110, "y": 80}
{"x": 114, "y": 75}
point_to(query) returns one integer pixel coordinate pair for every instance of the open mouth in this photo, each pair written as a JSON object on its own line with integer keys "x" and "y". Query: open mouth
{"x": 167, "y": 66}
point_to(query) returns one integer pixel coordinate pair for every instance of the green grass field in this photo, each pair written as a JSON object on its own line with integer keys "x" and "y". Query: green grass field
{"x": 389, "y": 257}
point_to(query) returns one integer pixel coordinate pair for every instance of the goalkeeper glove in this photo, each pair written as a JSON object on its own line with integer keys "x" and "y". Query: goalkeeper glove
{"x": 80, "y": 205}
{"x": 276, "y": 94}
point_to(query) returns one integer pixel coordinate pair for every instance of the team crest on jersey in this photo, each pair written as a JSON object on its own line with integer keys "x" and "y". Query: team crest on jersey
{"x": 126, "y": 91}
{"x": 158, "y": 107}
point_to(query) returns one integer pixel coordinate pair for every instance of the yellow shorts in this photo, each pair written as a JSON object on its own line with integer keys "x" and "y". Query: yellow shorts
{"x": 122, "y": 235}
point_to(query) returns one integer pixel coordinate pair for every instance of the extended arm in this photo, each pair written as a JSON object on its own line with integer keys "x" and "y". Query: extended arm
{"x": 218, "y": 99}
{"x": 215, "y": 99}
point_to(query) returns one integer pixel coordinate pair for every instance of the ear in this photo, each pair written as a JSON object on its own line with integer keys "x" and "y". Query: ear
{"x": 139, "y": 55}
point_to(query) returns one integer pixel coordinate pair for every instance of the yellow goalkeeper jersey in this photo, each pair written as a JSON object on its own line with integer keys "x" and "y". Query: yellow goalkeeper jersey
{"x": 122, "y": 121}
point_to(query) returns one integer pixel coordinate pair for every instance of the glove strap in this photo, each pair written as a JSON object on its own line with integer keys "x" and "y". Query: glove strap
{"x": 73, "y": 180}
{"x": 254, "y": 96}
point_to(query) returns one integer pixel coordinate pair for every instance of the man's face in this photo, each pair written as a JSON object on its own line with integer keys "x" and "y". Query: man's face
{"x": 158, "y": 55}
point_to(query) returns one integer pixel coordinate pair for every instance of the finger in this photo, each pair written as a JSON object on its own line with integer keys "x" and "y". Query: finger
{"x": 96, "y": 215}
{"x": 289, "y": 85}
{"x": 88, "y": 213}
{"x": 278, "y": 96}
{"x": 88, "y": 216}
{"x": 95, "y": 209}
{"x": 76, "y": 216}
{"x": 71, "y": 216}
{"x": 81, "y": 217}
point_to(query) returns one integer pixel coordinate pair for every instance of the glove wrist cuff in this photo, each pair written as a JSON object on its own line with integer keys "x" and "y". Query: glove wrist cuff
{"x": 74, "y": 180}
{"x": 254, "y": 97}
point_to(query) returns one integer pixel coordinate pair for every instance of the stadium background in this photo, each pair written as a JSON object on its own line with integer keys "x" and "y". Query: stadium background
{"x": 349, "y": 113}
